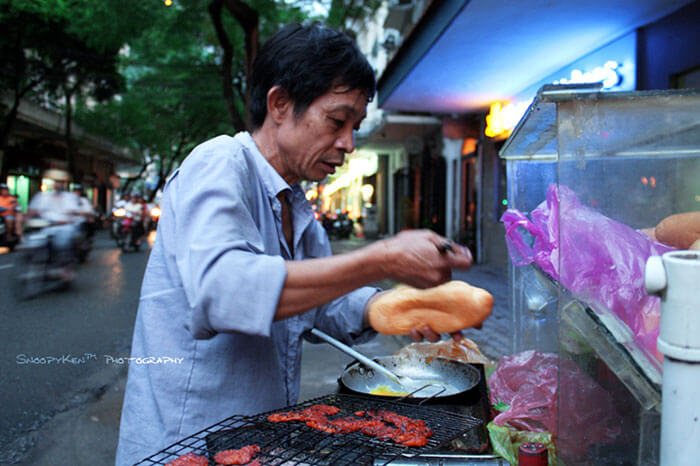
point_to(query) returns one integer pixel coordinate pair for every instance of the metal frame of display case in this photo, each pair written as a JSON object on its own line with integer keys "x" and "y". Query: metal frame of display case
{"x": 561, "y": 127}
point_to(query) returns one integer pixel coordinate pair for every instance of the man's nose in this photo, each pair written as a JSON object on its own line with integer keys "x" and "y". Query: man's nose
{"x": 346, "y": 140}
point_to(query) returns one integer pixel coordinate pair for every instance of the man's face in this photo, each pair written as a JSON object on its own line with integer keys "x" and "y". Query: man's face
{"x": 4, "y": 192}
{"x": 314, "y": 144}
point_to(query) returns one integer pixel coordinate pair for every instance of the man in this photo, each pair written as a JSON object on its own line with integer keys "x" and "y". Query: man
{"x": 85, "y": 217}
{"x": 9, "y": 214}
{"x": 59, "y": 207}
{"x": 240, "y": 270}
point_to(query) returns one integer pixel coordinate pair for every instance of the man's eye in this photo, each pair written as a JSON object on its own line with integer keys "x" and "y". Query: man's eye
{"x": 338, "y": 123}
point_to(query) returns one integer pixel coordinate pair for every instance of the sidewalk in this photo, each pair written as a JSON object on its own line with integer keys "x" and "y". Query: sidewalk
{"x": 87, "y": 434}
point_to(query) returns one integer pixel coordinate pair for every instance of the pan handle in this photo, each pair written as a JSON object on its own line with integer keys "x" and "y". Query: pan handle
{"x": 421, "y": 388}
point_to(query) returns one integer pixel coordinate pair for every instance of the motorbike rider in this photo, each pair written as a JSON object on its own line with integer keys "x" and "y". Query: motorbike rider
{"x": 137, "y": 209}
{"x": 122, "y": 201}
{"x": 10, "y": 214}
{"x": 59, "y": 208}
{"x": 85, "y": 214}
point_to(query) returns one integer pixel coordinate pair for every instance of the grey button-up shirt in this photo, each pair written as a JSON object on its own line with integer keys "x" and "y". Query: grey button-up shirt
{"x": 204, "y": 338}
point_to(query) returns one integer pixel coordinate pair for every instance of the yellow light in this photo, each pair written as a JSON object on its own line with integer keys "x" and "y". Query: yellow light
{"x": 155, "y": 212}
{"x": 168, "y": 2}
{"x": 43, "y": 187}
{"x": 311, "y": 194}
{"x": 494, "y": 120}
{"x": 120, "y": 212}
{"x": 502, "y": 119}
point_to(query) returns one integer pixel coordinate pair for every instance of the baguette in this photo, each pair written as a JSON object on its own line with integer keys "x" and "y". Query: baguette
{"x": 679, "y": 231}
{"x": 447, "y": 308}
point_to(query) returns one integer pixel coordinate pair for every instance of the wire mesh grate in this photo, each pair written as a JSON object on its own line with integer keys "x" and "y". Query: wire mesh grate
{"x": 295, "y": 443}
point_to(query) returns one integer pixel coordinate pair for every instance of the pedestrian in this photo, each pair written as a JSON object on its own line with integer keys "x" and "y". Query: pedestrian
{"x": 240, "y": 270}
{"x": 10, "y": 214}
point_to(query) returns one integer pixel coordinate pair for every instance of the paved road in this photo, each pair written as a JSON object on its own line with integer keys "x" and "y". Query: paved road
{"x": 60, "y": 350}
{"x": 67, "y": 414}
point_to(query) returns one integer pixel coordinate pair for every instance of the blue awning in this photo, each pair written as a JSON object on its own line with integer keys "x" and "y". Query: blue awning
{"x": 464, "y": 55}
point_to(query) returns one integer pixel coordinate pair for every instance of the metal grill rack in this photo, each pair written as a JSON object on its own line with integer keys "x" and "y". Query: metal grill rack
{"x": 294, "y": 443}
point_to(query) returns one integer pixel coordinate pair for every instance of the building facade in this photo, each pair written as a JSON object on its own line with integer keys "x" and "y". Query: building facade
{"x": 463, "y": 73}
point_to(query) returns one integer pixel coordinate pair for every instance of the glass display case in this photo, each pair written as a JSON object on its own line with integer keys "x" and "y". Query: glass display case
{"x": 590, "y": 174}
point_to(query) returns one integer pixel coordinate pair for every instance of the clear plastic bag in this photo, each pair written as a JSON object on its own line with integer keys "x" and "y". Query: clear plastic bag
{"x": 601, "y": 261}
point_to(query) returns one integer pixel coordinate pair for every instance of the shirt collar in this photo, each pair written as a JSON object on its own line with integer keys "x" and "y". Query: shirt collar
{"x": 273, "y": 181}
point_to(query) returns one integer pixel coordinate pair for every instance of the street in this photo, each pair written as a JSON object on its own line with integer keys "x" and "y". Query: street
{"x": 61, "y": 349}
{"x": 63, "y": 366}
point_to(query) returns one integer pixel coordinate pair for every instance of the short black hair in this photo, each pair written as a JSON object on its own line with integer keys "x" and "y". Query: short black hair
{"x": 306, "y": 61}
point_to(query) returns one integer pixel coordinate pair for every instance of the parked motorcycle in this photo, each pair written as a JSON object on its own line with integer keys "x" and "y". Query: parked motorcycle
{"x": 129, "y": 230}
{"x": 338, "y": 226}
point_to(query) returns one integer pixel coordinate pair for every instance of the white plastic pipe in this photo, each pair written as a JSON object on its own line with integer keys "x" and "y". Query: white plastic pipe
{"x": 675, "y": 277}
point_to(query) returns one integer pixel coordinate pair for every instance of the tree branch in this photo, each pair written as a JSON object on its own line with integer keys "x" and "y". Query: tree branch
{"x": 215, "y": 8}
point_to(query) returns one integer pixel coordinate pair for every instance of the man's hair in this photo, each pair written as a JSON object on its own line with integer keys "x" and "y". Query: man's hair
{"x": 306, "y": 62}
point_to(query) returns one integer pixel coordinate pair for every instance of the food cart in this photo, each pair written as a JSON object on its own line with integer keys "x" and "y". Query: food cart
{"x": 590, "y": 174}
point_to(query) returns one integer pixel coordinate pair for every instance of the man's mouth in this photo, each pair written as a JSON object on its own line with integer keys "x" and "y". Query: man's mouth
{"x": 330, "y": 167}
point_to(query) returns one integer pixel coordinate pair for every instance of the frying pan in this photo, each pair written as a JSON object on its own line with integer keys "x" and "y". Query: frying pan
{"x": 444, "y": 377}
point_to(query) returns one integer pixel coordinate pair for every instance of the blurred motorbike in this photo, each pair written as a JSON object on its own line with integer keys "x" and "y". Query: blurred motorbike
{"x": 154, "y": 213}
{"x": 42, "y": 266}
{"x": 83, "y": 241}
{"x": 129, "y": 230}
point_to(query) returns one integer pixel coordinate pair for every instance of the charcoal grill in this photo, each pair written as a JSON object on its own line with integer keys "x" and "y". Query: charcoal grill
{"x": 294, "y": 443}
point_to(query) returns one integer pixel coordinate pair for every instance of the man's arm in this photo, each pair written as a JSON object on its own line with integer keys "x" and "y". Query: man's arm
{"x": 412, "y": 257}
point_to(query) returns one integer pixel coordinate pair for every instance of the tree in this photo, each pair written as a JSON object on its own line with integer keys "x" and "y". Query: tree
{"x": 55, "y": 51}
{"x": 171, "y": 100}
{"x": 186, "y": 76}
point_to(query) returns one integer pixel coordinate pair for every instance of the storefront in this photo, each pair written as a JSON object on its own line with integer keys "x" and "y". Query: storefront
{"x": 36, "y": 153}
{"x": 493, "y": 58}
{"x": 410, "y": 172}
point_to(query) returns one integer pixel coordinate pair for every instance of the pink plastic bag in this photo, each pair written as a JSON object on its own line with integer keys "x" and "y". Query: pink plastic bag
{"x": 532, "y": 383}
{"x": 602, "y": 261}
{"x": 527, "y": 383}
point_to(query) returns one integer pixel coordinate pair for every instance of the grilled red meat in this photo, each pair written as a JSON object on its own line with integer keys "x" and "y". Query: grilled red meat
{"x": 241, "y": 456}
{"x": 411, "y": 439}
{"x": 312, "y": 412}
{"x": 347, "y": 424}
{"x": 410, "y": 432}
{"x": 376, "y": 423}
{"x": 323, "y": 409}
{"x": 190, "y": 459}
{"x": 286, "y": 416}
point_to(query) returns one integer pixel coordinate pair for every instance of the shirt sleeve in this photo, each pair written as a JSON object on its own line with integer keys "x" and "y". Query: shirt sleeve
{"x": 342, "y": 318}
{"x": 230, "y": 283}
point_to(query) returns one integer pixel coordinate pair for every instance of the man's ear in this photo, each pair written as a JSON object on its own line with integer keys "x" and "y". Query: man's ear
{"x": 278, "y": 104}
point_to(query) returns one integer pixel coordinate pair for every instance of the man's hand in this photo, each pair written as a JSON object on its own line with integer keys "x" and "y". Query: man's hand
{"x": 422, "y": 258}
{"x": 417, "y": 335}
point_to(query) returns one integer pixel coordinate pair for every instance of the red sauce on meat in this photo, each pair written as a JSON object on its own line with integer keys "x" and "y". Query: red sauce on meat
{"x": 190, "y": 459}
{"x": 376, "y": 423}
{"x": 241, "y": 456}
